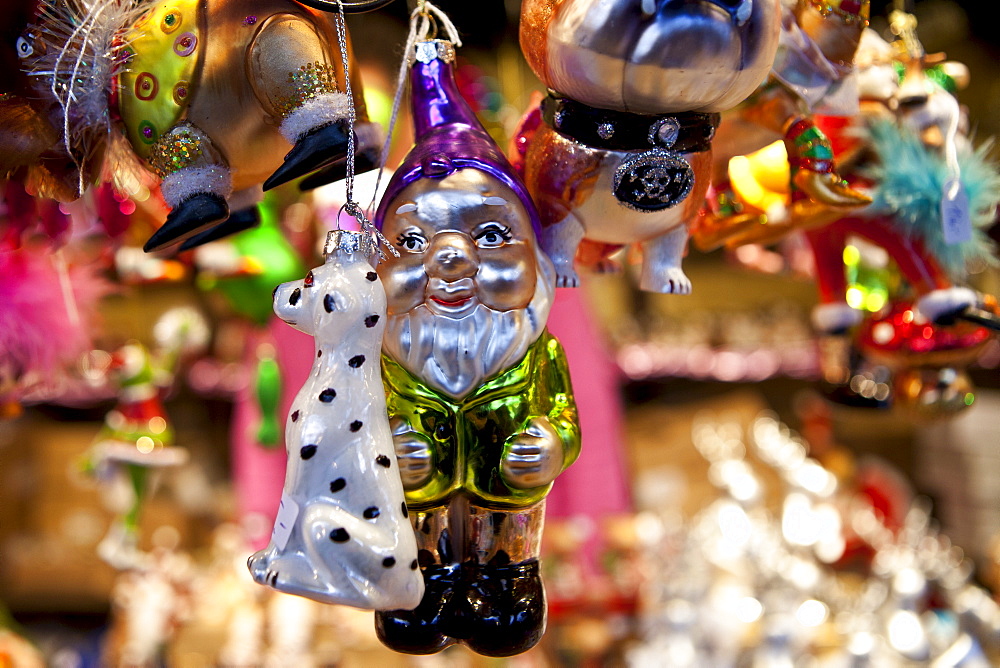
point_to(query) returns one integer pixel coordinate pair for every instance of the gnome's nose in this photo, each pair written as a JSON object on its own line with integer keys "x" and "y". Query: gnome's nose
{"x": 452, "y": 257}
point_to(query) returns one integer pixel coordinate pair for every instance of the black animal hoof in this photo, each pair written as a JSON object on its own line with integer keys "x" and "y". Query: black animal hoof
{"x": 317, "y": 148}
{"x": 237, "y": 222}
{"x": 364, "y": 161}
{"x": 192, "y": 216}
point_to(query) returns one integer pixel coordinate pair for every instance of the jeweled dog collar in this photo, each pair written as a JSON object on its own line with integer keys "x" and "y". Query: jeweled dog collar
{"x": 654, "y": 174}
{"x": 687, "y": 132}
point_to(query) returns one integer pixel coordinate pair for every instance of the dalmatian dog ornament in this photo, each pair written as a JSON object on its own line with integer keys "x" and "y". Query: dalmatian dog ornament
{"x": 342, "y": 533}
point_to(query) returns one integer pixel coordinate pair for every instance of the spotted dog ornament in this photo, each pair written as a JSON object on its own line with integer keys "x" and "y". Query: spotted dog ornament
{"x": 341, "y": 534}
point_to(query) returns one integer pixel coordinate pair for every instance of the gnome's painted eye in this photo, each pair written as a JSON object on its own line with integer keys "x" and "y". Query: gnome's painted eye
{"x": 412, "y": 241}
{"x": 24, "y": 47}
{"x": 492, "y": 235}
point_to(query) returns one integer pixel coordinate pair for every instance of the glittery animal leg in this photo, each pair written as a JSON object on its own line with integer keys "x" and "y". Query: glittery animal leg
{"x": 369, "y": 147}
{"x": 196, "y": 183}
{"x": 297, "y": 82}
{"x": 559, "y": 241}
{"x": 661, "y": 263}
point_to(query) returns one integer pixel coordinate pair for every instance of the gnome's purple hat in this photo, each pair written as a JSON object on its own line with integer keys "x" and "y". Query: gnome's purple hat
{"x": 448, "y": 136}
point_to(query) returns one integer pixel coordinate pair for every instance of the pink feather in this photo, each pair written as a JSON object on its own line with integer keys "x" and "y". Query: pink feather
{"x": 44, "y": 328}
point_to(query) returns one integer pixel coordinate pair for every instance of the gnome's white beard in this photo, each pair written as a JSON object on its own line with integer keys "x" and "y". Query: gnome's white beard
{"x": 456, "y": 356}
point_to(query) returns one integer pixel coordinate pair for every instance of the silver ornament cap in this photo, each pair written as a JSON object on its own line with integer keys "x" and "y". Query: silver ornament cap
{"x": 340, "y": 242}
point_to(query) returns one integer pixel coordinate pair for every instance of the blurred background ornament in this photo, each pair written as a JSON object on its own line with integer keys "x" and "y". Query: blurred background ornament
{"x": 761, "y": 583}
{"x": 136, "y": 441}
{"x": 812, "y": 73}
{"x": 48, "y": 312}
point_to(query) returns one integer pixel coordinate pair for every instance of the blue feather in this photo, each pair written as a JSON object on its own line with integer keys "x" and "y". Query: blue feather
{"x": 910, "y": 179}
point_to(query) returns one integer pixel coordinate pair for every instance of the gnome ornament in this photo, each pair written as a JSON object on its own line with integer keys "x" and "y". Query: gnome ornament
{"x": 478, "y": 392}
{"x": 341, "y": 534}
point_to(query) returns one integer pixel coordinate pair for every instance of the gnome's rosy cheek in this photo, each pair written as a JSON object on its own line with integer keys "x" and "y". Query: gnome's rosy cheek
{"x": 405, "y": 282}
{"x": 507, "y": 276}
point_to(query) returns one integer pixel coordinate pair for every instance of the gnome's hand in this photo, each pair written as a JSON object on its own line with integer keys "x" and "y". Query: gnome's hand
{"x": 413, "y": 454}
{"x": 533, "y": 457}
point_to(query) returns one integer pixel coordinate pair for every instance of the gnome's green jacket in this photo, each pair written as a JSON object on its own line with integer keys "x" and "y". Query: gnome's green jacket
{"x": 467, "y": 436}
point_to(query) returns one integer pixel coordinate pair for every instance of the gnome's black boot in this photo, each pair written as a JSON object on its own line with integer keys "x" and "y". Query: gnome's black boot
{"x": 422, "y": 630}
{"x": 317, "y": 148}
{"x": 189, "y": 218}
{"x": 503, "y": 607}
{"x": 238, "y": 221}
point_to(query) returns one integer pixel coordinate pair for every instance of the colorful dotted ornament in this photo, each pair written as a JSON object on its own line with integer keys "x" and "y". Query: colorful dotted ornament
{"x": 171, "y": 21}
{"x": 146, "y": 86}
{"x": 185, "y": 44}
{"x": 162, "y": 57}
{"x": 147, "y": 132}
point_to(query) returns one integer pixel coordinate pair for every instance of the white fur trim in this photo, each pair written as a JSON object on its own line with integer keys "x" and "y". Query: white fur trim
{"x": 946, "y": 301}
{"x": 191, "y": 181}
{"x": 830, "y": 318}
{"x": 320, "y": 110}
